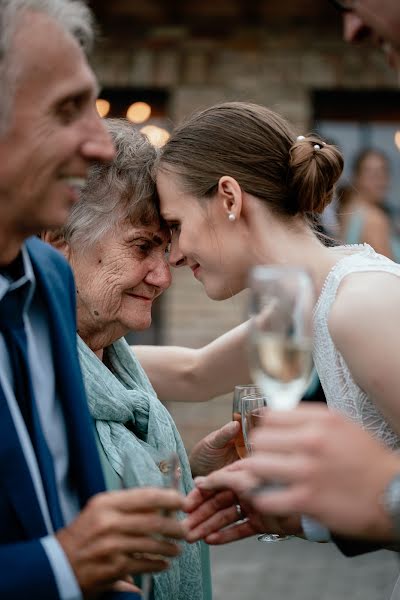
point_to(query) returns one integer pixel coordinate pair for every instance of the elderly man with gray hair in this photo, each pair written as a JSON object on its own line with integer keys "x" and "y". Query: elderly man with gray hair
{"x": 61, "y": 536}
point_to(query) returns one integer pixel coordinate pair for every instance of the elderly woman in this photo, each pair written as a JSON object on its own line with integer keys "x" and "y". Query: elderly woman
{"x": 116, "y": 246}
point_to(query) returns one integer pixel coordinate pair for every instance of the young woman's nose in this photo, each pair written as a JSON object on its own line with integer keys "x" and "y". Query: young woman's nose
{"x": 176, "y": 258}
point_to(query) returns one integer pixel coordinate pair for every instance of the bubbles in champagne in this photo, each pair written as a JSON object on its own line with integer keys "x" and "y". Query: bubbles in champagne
{"x": 282, "y": 367}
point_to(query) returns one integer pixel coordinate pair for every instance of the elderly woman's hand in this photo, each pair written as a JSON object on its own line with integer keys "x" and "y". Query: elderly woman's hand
{"x": 215, "y": 451}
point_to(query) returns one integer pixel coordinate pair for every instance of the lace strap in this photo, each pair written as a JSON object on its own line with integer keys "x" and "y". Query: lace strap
{"x": 366, "y": 260}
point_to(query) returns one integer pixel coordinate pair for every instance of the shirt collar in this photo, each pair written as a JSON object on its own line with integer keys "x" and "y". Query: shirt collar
{"x": 28, "y": 277}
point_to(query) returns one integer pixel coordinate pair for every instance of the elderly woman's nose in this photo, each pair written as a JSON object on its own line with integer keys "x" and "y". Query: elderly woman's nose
{"x": 160, "y": 274}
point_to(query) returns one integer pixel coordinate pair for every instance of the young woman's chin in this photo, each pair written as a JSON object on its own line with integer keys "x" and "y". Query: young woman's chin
{"x": 221, "y": 290}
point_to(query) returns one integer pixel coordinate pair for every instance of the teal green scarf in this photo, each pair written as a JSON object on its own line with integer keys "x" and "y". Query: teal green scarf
{"x": 121, "y": 392}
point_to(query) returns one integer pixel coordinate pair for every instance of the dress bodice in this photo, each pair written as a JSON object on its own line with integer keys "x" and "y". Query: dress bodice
{"x": 341, "y": 391}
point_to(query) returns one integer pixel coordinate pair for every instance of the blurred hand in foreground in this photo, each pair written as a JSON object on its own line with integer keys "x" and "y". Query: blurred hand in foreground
{"x": 122, "y": 533}
{"x": 330, "y": 468}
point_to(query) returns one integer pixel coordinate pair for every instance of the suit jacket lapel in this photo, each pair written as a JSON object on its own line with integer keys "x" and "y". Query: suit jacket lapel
{"x": 16, "y": 478}
{"x": 84, "y": 460}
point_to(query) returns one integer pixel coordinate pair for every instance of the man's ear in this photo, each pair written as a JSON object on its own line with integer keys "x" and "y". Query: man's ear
{"x": 56, "y": 239}
{"x": 232, "y": 196}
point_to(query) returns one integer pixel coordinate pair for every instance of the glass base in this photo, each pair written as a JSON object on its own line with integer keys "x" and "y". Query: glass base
{"x": 273, "y": 537}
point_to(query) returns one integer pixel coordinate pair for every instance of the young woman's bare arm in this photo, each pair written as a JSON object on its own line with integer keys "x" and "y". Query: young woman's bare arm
{"x": 196, "y": 375}
{"x": 365, "y": 327}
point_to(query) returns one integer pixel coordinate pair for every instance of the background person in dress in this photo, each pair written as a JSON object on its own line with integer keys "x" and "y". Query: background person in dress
{"x": 361, "y": 204}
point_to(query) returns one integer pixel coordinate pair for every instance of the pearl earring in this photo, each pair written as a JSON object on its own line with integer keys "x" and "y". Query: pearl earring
{"x": 231, "y": 217}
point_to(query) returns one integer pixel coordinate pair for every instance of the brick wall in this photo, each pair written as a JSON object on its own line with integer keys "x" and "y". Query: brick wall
{"x": 278, "y": 69}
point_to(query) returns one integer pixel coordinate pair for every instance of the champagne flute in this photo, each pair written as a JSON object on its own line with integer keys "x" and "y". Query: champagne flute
{"x": 251, "y": 408}
{"x": 171, "y": 469}
{"x": 252, "y": 414}
{"x": 280, "y": 338}
{"x": 239, "y": 392}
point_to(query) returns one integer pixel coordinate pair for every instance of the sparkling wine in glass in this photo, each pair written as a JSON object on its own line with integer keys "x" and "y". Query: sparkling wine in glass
{"x": 280, "y": 338}
{"x": 239, "y": 392}
{"x": 252, "y": 412}
{"x": 171, "y": 469}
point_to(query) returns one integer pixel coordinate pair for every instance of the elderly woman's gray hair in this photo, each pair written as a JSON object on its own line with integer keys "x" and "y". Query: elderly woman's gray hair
{"x": 122, "y": 190}
{"x": 72, "y": 15}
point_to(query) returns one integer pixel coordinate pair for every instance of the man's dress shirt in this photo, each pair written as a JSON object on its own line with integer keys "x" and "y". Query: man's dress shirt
{"x": 52, "y": 422}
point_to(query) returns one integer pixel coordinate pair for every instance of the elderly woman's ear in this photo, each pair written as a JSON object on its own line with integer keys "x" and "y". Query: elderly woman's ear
{"x": 57, "y": 240}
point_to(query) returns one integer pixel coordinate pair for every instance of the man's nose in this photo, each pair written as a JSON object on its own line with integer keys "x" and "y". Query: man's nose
{"x": 98, "y": 146}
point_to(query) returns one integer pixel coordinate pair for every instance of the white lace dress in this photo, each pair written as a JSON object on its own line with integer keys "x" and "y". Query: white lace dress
{"x": 341, "y": 391}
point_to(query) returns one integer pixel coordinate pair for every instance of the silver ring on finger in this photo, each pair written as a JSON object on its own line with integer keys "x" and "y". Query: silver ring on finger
{"x": 239, "y": 511}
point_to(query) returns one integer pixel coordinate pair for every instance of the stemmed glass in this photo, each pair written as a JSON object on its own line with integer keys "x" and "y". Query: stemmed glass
{"x": 252, "y": 413}
{"x": 251, "y": 408}
{"x": 239, "y": 392}
{"x": 281, "y": 338}
{"x": 171, "y": 469}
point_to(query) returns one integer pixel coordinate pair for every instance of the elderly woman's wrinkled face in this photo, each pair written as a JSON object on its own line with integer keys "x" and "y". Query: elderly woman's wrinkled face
{"x": 118, "y": 279}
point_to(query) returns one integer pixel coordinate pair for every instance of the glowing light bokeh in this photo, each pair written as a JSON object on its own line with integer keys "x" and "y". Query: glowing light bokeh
{"x": 103, "y": 107}
{"x": 397, "y": 139}
{"x": 157, "y": 135}
{"x": 138, "y": 112}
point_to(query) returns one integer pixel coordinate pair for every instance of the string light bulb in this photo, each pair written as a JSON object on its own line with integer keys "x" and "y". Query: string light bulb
{"x": 103, "y": 107}
{"x": 138, "y": 112}
{"x": 157, "y": 135}
{"x": 397, "y": 139}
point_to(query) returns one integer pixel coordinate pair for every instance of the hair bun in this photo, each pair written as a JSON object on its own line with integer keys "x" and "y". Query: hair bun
{"x": 314, "y": 168}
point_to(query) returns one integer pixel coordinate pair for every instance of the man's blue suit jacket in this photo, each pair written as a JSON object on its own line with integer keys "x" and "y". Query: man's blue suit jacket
{"x": 25, "y": 571}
